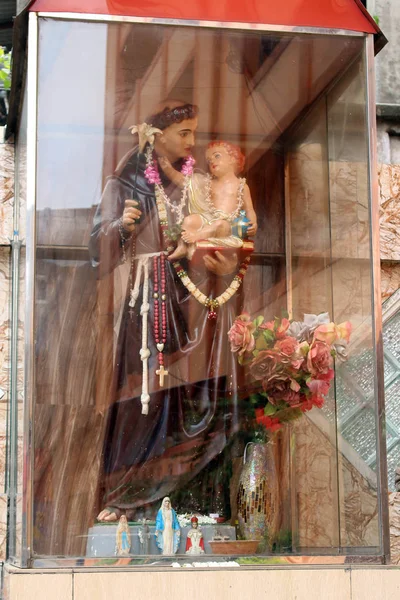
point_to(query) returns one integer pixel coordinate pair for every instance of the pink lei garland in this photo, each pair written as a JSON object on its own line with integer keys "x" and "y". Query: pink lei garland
{"x": 153, "y": 176}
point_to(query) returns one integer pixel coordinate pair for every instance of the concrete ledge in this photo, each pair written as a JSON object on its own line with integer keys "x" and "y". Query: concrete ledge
{"x": 306, "y": 583}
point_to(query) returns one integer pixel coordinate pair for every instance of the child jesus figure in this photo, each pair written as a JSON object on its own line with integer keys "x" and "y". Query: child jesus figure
{"x": 215, "y": 200}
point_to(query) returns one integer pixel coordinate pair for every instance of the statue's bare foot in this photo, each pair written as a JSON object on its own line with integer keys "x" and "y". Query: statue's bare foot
{"x": 179, "y": 252}
{"x": 107, "y": 515}
{"x": 190, "y": 237}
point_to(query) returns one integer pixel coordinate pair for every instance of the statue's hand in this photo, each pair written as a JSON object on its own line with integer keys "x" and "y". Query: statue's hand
{"x": 165, "y": 164}
{"x": 130, "y": 215}
{"x": 221, "y": 264}
{"x": 252, "y": 230}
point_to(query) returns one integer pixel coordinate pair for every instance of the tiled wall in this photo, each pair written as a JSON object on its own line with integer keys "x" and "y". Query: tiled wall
{"x": 6, "y": 232}
{"x": 389, "y": 222}
{"x": 286, "y": 584}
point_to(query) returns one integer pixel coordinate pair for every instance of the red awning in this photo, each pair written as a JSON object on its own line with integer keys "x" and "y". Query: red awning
{"x": 336, "y": 14}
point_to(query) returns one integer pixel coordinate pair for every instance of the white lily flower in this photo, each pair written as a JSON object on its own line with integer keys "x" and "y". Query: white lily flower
{"x": 146, "y": 134}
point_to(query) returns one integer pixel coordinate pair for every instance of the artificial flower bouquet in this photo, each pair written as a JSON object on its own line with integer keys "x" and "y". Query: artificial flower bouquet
{"x": 185, "y": 520}
{"x": 290, "y": 362}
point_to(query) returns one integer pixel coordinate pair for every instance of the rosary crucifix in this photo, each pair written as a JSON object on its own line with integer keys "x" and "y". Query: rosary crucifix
{"x": 162, "y": 373}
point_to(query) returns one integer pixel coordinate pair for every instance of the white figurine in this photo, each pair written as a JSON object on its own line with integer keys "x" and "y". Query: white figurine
{"x": 194, "y": 541}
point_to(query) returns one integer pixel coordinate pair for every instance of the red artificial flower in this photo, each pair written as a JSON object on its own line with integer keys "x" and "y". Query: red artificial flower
{"x": 270, "y": 423}
{"x": 306, "y": 403}
{"x": 317, "y": 400}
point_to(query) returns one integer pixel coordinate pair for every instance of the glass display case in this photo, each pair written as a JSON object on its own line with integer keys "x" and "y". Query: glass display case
{"x": 201, "y": 318}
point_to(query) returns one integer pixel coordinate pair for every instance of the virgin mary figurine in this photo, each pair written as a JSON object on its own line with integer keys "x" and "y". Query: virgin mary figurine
{"x": 123, "y": 538}
{"x": 168, "y": 532}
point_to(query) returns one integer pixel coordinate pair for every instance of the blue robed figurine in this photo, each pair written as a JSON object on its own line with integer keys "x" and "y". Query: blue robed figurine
{"x": 168, "y": 531}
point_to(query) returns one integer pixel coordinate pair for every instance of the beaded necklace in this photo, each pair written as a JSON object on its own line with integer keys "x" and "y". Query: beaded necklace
{"x": 152, "y": 175}
{"x": 162, "y": 200}
{"x": 212, "y": 303}
{"x": 212, "y": 208}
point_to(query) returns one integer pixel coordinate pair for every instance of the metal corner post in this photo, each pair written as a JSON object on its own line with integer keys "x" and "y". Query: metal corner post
{"x": 377, "y": 302}
{"x": 29, "y": 386}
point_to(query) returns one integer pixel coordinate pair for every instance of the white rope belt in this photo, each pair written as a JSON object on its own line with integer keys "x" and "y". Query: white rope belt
{"x": 143, "y": 267}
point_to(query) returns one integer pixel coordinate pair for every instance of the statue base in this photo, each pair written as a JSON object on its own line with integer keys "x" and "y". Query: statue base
{"x": 101, "y": 539}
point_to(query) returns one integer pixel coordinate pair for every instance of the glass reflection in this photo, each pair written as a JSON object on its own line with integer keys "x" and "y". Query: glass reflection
{"x": 138, "y": 394}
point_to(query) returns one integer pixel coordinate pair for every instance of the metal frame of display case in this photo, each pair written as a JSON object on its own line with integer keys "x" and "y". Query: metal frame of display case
{"x": 27, "y": 560}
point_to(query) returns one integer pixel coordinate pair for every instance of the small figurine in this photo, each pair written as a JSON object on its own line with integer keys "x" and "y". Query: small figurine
{"x": 144, "y": 537}
{"x": 168, "y": 531}
{"x": 123, "y": 538}
{"x": 194, "y": 541}
{"x": 215, "y": 201}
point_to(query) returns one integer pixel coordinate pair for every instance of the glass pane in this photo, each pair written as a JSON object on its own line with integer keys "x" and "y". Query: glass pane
{"x": 351, "y": 282}
{"x": 139, "y": 392}
{"x": 17, "y": 330}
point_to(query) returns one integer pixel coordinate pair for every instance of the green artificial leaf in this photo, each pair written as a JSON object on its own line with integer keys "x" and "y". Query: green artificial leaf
{"x": 304, "y": 348}
{"x": 258, "y": 321}
{"x": 270, "y": 409}
{"x": 268, "y": 335}
{"x": 293, "y": 414}
{"x": 254, "y": 398}
{"x": 261, "y": 343}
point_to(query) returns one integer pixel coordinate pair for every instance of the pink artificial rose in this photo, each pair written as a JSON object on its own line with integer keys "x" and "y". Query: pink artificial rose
{"x": 282, "y": 388}
{"x": 292, "y": 398}
{"x": 264, "y": 365}
{"x": 319, "y": 359}
{"x": 290, "y": 352}
{"x": 297, "y": 363}
{"x": 318, "y": 386}
{"x": 241, "y": 334}
{"x": 327, "y": 333}
{"x": 270, "y": 325}
{"x": 280, "y": 331}
{"x": 287, "y": 346}
{"x": 344, "y": 331}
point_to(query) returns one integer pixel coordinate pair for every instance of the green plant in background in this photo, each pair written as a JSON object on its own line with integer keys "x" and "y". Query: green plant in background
{"x": 376, "y": 19}
{"x": 282, "y": 543}
{"x": 5, "y": 68}
{"x": 260, "y": 560}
